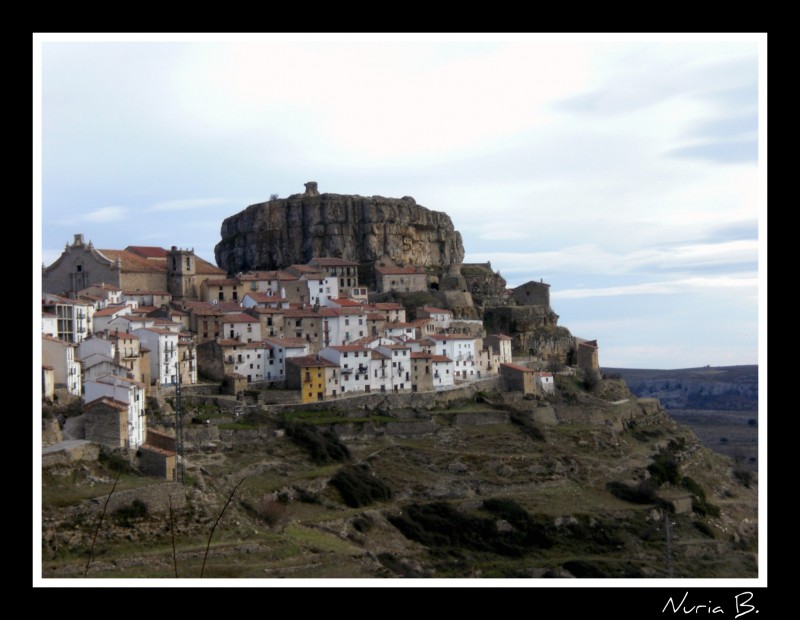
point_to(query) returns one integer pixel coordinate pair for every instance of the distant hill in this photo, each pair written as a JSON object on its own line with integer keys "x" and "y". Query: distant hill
{"x": 733, "y": 388}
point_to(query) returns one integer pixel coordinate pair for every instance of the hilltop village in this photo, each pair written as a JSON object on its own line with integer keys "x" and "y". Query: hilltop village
{"x": 121, "y": 328}
{"x": 359, "y": 402}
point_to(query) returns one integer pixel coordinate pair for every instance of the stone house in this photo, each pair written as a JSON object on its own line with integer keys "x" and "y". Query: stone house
{"x": 406, "y": 279}
{"x": 129, "y": 393}
{"x": 519, "y": 378}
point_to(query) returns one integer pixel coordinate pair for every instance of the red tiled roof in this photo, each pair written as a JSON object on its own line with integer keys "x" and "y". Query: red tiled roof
{"x": 287, "y": 343}
{"x": 105, "y": 400}
{"x": 388, "y": 306}
{"x": 348, "y": 347}
{"x": 517, "y": 367}
{"x": 148, "y": 251}
{"x": 239, "y": 318}
{"x": 440, "y": 358}
{"x": 432, "y": 310}
{"x": 332, "y": 262}
{"x": 310, "y": 361}
{"x": 345, "y": 302}
{"x": 161, "y": 451}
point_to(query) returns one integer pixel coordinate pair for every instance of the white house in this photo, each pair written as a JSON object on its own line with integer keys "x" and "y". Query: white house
{"x": 163, "y": 345}
{"x": 277, "y": 351}
{"x": 257, "y": 299}
{"x": 241, "y": 327}
{"x": 399, "y": 379}
{"x": 346, "y": 325}
{"x": 49, "y": 324}
{"x": 125, "y": 391}
{"x": 354, "y": 366}
{"x": 463, "y": 350}
{"x": 545, "y": 382}
{"x": 441, "y": 317}
{"x": 61, "y": 356}
{"x": 102, "y": 318}
{"x": 500, "y": 345}
{"x": 73, "y": 318}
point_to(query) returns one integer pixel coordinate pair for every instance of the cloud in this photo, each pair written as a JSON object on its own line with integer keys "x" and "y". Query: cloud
{"x": 105, "y": 214}
{"x": 186, "y": 204}
{"x": 660, "y": 288}
{"x": 723, "y": 152}
{"x": 592, "y": 258}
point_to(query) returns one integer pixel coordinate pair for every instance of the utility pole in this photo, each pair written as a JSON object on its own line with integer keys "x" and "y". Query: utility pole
{"x": 179, "y": 423}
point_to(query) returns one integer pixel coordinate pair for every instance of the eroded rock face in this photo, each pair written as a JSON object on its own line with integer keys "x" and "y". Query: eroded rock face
{"x": 281, "y": 232}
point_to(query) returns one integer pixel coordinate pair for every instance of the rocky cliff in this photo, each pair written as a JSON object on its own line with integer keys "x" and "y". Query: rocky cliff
{"x": 281, "y": 232}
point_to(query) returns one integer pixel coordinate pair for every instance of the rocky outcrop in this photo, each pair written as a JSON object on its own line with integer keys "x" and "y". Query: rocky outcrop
{"x": 281, "y": 232}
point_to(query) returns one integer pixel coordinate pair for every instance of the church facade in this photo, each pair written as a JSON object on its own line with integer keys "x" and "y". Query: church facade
{"x": 176, "y": 271}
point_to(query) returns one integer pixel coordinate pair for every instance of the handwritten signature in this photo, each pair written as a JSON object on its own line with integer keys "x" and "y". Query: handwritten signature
{"x": 741, "y": 606}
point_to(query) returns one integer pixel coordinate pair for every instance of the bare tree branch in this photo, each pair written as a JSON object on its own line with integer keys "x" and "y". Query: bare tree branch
{"x": 99, "y": 523}
{"x": 203, "y": 568}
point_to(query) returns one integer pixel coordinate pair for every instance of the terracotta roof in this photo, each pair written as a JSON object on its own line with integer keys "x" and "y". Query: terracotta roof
{"x": 111, "y": 379}
{"x": 376, "y": 316}
{"x": 432, "y": 310}
{"x": 58, "y": 340}
{"x": 419, "y": 355}
{"x": 543, "y": 374}
{"x": 440, "y": 358}
{"x": 239, "y": 318}
{"x": 224, "y": 282}
{"x": 395, "y": 346}
{"x": 105, "y": 400}
{"x": 332, "y": 262}
{"x": 145, "y": 292}
{"x": 135, "y": 263}
{"x": 228, "y": 342}
{"x": 161, "y": 451}
{"x": 310, "y": 361}
{"x": 147, "y": 251}
{"x": 287, "y": 343}
{"x": 388, "y": 306}
{"x": 449, "y": 337}
{"x": 517, "y": 367}
{"x": 345, "y": 302}
{"x": 159, "y": 330}
{"x": 377, "y": 355}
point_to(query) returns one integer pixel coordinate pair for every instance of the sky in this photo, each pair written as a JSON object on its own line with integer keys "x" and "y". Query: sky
{"x": 627, "y": 171}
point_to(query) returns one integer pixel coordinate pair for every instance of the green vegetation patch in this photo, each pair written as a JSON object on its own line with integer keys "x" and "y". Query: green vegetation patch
{"x": 322, "y": 446}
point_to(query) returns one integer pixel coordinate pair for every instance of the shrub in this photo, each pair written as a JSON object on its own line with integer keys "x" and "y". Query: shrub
{"x": 528, "y": 426}
{"x": 643, "y": 493}
{"x": 591, "y": 379}
{"x": 135, "y": 511}
{"x": 270, "y": 510}
{"x": 664, "y": 469}
{"x": 744, "y": 476}
{"x": 322, "y": 447}
{"x": 358, "y": 487}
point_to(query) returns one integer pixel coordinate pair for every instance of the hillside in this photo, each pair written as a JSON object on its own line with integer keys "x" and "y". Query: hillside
{"x": 717, "y": 387}
{"x": 574, "y": 485}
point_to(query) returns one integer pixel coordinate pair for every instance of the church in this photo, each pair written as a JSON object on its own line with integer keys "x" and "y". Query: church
{"x": 136, "y": 268}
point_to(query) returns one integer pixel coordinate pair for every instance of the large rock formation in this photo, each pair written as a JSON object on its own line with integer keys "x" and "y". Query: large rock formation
{"x": 281, "y": 232}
